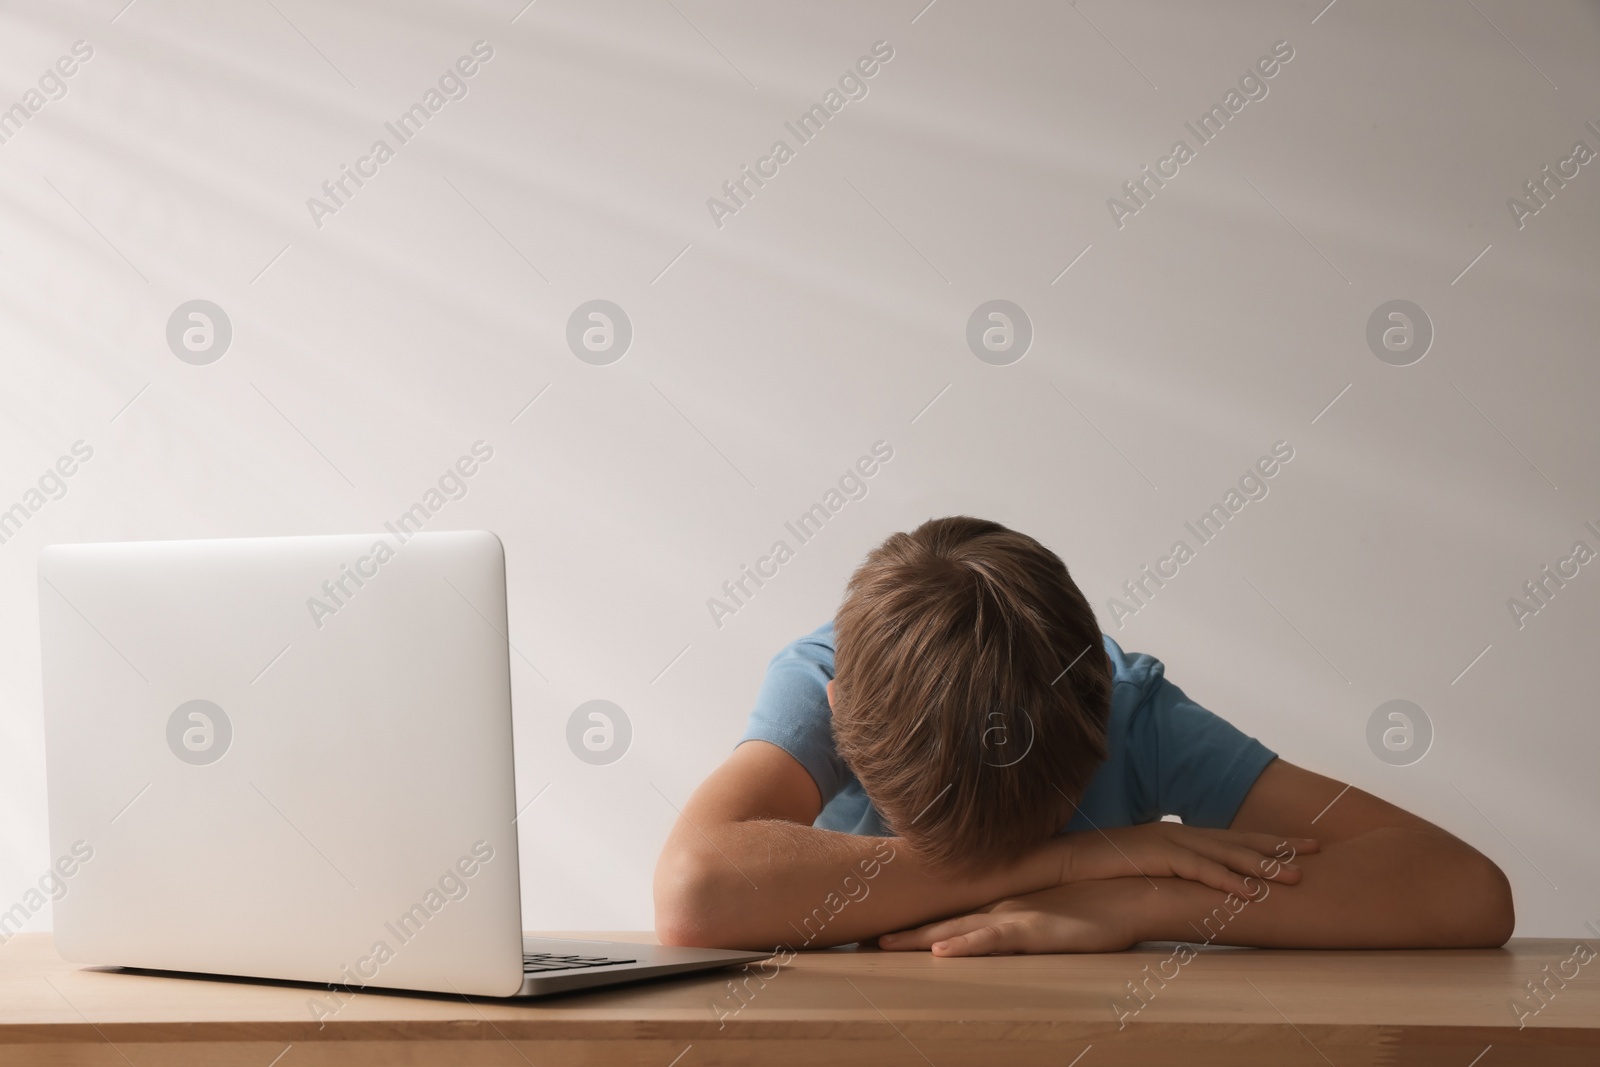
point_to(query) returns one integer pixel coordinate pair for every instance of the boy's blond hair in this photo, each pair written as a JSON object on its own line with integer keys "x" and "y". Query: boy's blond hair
{"x": 971, "y": 690}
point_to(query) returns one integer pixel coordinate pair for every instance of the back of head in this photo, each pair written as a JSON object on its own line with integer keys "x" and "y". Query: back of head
{"x": 953, "y": 699}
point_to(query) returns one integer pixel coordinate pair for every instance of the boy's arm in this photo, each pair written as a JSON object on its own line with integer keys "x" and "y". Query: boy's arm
{"x": 744, "y": 868}
{"x": 1384, "y": 878}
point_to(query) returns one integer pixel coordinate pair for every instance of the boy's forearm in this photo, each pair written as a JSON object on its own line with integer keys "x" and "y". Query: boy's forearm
{"x": 1389, "y": 888}
{"x": 762, "y": 883}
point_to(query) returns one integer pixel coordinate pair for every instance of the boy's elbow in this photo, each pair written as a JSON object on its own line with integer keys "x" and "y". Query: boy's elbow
{"x": 674, "y": 929}
{"x": 1492, "y": 915}
{"x": 1503, "y": 911}
{"x": 686, "y": 891}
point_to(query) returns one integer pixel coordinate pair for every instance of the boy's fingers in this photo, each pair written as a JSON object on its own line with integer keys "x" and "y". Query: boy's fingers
{"x": 1229, "y": 869}
{"x": 1253, "y": 854}
{"x": 1005, "y": 937}
{"x": 924, "y": 936}
{"x": 1217, "y": 876}
{"x": 1269, "y": 844}
{"x": 975, "y": 943}
{"x": 1254, "y": 864}
{"x": 1299, "y": 844}
{"x": 1198, "y": 867}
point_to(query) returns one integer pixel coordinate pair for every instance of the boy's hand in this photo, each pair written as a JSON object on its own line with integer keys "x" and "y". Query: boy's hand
{"x": 1221, "y": 859}
{"x": 1093, "y": 916}
{"x": 1105, "y": 877}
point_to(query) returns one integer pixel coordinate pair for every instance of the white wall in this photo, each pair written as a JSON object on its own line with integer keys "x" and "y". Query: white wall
{"x": 1222, "y": 317}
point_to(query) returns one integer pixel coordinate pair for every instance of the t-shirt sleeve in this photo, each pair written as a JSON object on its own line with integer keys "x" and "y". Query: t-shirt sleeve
{"x": 792, "y": 712}
{"x": 1200, "y": 765}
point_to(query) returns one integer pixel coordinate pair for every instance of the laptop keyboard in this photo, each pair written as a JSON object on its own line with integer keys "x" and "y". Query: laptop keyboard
{"x": 539, "y": 962}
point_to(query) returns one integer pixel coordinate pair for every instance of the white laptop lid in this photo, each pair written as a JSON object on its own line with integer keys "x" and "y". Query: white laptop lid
{"x": 345, "y": 817}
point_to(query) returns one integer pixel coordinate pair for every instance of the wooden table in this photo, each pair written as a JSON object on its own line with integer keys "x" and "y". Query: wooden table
{"x": 1223, "y": 1006}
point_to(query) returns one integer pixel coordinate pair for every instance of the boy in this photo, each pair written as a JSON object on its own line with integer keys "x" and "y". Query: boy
{"x": 962, "y": 762}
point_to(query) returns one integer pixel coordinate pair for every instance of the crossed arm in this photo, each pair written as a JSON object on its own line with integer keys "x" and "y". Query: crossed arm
{"x": 1307, "y": 863}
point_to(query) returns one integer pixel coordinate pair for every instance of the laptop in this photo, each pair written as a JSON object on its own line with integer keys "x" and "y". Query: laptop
{"x": 291, "y": 758}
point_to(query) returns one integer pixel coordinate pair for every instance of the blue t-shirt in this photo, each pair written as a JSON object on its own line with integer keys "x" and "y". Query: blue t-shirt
{"x": 1166, "y": 755}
